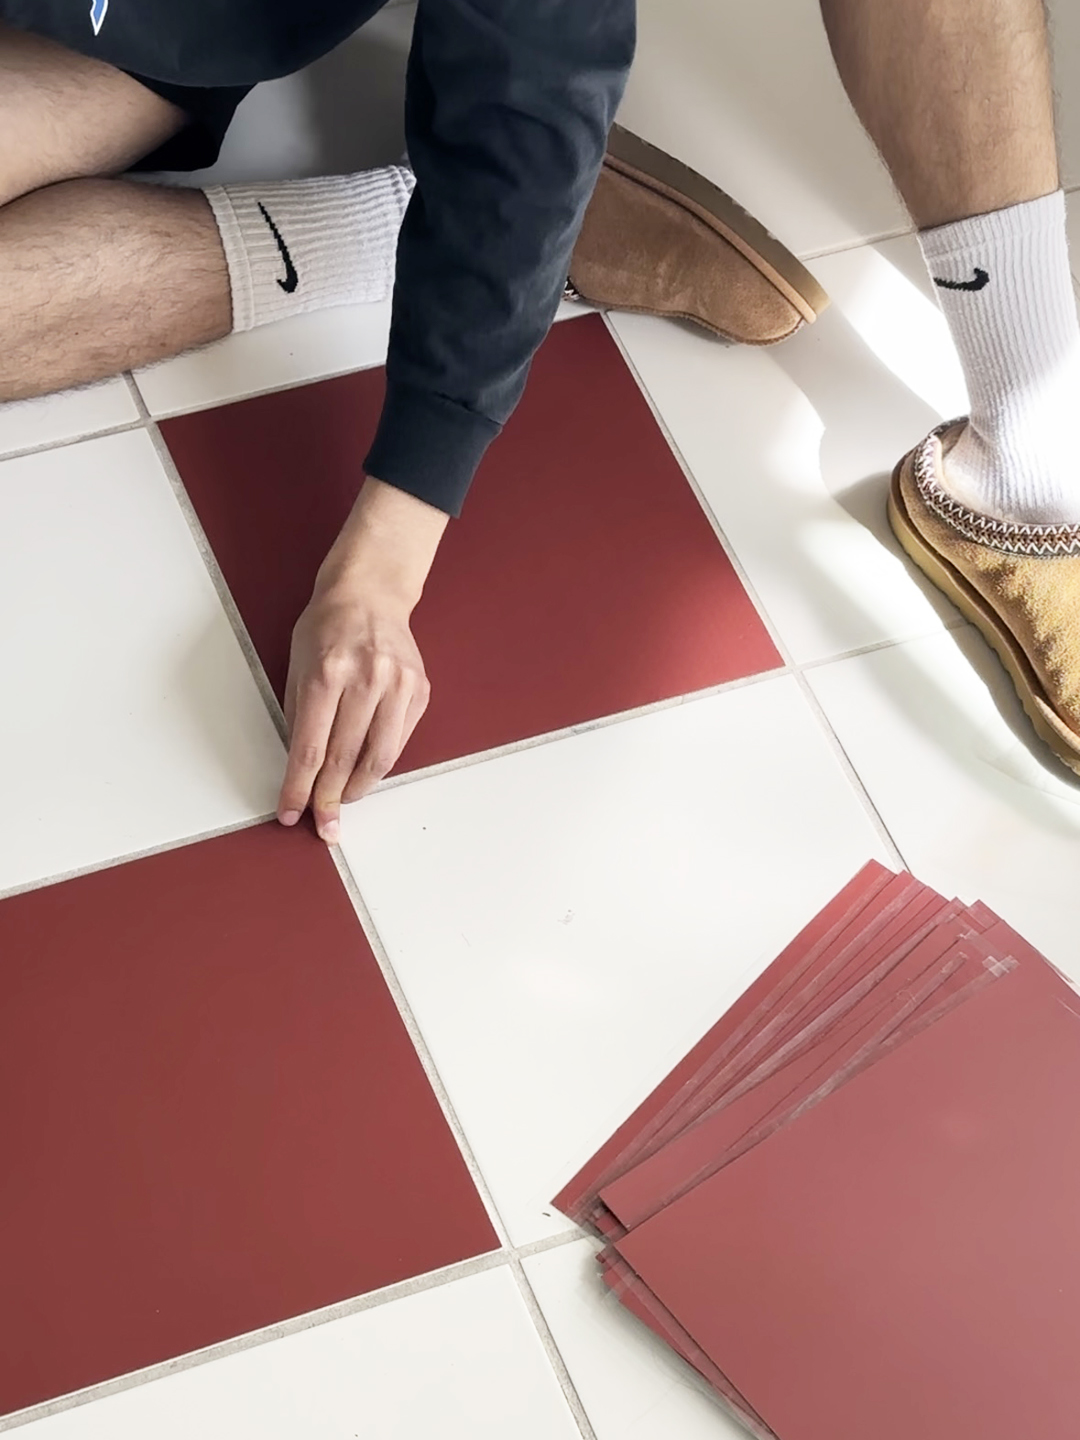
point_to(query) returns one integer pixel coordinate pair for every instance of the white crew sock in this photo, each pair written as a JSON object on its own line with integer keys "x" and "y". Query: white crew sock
{"x": 298, "y": 245}
{"x": 1019, "y": 342}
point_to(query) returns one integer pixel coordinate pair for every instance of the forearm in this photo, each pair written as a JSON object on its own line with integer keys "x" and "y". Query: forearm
{"x": 387, "y": 544}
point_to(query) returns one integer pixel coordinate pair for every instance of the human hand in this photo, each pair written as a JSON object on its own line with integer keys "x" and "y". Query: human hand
{"x": 357, "y": 686}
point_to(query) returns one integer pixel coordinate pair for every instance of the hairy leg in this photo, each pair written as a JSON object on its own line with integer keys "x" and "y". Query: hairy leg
{"x": 956, "y": 94}
{"x": 100, "y": 274}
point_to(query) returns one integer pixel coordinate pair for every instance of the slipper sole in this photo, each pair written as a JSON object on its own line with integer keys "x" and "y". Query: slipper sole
{"x": 1049, "y": 726}
{"x": 632, "y": 156}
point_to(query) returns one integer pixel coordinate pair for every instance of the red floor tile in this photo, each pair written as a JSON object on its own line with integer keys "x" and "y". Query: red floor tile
{"x": 212, "y": 1115}
{"x": 583, "y": 579}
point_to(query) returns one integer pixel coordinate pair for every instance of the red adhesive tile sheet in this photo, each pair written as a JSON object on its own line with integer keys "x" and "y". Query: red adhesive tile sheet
{"x": 640, "y": 1301}
{"x": 212, "y": 1117}
{"x": 583, "y": 579}
{"x": 578, "y": 1198}
{"x": 839, "y": 977}
{"x": 898, "y": 911}
{"x": 942, "y": 964}
{"x": 902, "y": 1260}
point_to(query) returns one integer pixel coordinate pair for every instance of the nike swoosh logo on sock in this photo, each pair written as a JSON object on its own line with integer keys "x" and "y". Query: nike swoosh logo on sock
{"x": 291, "y": 280}
{"x": 977, "y": 282}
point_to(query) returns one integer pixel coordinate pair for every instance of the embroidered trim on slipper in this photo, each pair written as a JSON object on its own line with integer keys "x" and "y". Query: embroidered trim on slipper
{"x": 1034, "y": 541}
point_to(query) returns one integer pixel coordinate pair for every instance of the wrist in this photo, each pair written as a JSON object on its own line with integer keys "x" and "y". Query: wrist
{"x": 388, "y": 544}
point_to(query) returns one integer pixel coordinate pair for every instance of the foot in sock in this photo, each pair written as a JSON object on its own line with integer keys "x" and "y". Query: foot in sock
{"x": 299, "y": 245}
{"x": 1006, "y": 289}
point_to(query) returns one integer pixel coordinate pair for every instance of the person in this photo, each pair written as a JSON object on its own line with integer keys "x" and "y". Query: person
{"x": 508, "y": 106}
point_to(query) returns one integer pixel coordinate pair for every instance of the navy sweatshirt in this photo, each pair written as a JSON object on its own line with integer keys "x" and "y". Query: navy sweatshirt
{"x": 508, "y": 105}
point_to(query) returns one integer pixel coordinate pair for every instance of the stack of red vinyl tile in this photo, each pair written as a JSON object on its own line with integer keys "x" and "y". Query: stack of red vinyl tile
{"x": 855, "y": 1206}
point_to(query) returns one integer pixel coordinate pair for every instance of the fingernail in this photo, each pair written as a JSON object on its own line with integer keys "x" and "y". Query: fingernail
{"x": 290, "y": 817}
{"x": 330, "y": 832}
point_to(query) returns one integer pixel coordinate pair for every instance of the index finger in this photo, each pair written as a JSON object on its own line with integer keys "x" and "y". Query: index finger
{"x": 316, "y": 707}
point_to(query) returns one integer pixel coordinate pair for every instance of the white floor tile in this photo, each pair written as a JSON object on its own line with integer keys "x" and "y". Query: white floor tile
{"x": 569, "y": 919}
{"x": 461, "y": 1362}
{"x": 792, "y": 446}
{"x": 53, "y": 419}
{"x": 130, "y": 717}
{"x": 288, "y": 352}
{"x": 976, "y": 804}
{"x": 633, "y": 1386}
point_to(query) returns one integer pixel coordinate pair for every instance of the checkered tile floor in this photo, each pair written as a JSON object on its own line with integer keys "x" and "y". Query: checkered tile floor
{"x": 280, "y": 1127}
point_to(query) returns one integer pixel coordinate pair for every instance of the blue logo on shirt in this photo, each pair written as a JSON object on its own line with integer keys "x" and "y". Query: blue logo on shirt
{"x": 98, "y": 9}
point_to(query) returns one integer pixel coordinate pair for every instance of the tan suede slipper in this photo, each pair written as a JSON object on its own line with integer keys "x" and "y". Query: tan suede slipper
{"x": 1019, "y": 584}
{"x": 660, "y": 239}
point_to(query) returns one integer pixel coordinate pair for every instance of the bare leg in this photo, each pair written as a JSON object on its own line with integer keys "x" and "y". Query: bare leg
{"x": 100, "y": 274}
{"x": 956, "y": 94}
{"x": 104, "y": 275}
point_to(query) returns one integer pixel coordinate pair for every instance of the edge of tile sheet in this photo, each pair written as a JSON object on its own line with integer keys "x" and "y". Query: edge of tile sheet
{"x": 61, "y": 877}
{"x": 434, "y": 1279}
{"x": 691, "y": 480}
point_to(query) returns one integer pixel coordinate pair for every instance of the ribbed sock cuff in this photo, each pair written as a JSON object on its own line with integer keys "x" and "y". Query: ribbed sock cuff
{"x": 1005, "y": 286}
{"x": 301, "y": 245}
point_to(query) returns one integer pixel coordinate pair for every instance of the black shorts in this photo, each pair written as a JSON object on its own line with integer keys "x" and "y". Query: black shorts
{"x": 209, "y": 112}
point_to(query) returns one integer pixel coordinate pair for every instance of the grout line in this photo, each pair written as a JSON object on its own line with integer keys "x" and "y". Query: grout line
{"x": 573, "y": 1236}
{"x": 71, "y": 440}
{"x": 311, "y": 1320}
{"x": 136, "y": 394}
{"x": 554, "y": 1355}
{"x": 790, "y": 666}
{"x": 866, "y": 242}
{"x": 896, "y": 233}
{"x": 855, "y": 779}
{"x": 112, "y": 861}
{"x": 956, "y": 622}
{"x": 209, "y": 559}
{"x": 419, "y": 1042}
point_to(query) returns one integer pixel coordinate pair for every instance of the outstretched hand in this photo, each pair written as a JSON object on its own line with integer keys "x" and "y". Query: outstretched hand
{"x": 357, "y": 686}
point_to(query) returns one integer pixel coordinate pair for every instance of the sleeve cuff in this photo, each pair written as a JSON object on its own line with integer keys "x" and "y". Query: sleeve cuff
{"x": 428, "y": 446}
